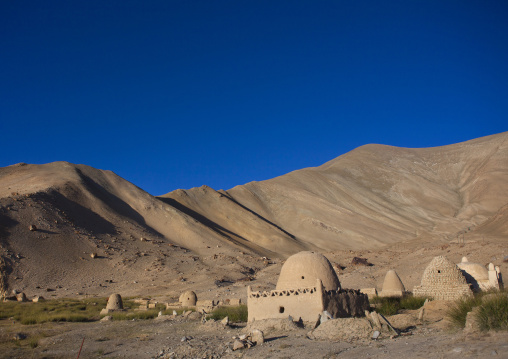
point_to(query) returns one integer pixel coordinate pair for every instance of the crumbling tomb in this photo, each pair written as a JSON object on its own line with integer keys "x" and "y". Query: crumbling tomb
{"x": 307, "y": 286}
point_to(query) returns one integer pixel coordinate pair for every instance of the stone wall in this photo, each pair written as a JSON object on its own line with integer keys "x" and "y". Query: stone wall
{"x": 440, "y": 293}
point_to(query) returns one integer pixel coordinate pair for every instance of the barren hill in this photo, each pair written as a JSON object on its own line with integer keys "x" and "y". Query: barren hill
{"x": 372, "y": 197}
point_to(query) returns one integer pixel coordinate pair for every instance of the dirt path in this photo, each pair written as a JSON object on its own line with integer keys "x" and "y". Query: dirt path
{"x": 164, "y": 339}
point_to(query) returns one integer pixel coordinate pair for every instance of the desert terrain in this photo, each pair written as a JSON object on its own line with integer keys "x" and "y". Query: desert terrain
{"x": 97, "y": 234}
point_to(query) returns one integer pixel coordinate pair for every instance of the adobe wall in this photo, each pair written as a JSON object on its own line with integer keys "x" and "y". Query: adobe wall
{"x": 305, "y": 303}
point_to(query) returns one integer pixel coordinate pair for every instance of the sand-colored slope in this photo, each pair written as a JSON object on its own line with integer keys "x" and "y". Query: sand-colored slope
{"x": 79, "y": 210}
{"x": 377, "y": 195}
{"x": 371, "y": 197}
{"x": 218, "y": 211}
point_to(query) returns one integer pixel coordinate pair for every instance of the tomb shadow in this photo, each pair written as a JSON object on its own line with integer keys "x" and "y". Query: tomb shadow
{"x": 275, "y": 338}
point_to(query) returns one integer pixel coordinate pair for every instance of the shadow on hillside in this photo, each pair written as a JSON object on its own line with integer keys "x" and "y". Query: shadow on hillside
{"x": 200, "y": 218}
{"x": 6, "y": 222}
{"x": 77, "y": 214}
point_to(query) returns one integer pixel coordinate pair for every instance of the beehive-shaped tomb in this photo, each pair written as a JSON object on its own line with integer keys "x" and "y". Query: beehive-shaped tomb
{"x": 392, "y": 285}
{"x": 307, "y": 286}
{"x": 442, "y": 280}
{"x": 188, "y": 299}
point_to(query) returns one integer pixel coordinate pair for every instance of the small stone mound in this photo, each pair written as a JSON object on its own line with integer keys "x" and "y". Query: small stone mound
{"x": 342, "y": 329}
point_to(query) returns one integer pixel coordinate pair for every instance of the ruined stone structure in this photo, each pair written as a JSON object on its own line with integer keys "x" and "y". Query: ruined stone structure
{"x": 392, "y": 285}
{"x": 479, "y": 277}
{"x": 188, "y": 299}
{"x": 442, "y": 280}
{"x": 307, "y": 286}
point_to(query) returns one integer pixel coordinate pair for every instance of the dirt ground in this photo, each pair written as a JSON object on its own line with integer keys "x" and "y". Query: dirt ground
{"x": 180, "y": 337}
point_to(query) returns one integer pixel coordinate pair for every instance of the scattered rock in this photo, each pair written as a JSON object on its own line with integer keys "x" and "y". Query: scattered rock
{"x": 238, "y": 344}
{"x": 107, "y": 318}
{"x": 19, "y": 336}
{"x": 225, "y": 321}
{"x": 257, "y": 336}
{"x": 93, "y": 255}
{"x": 21, "y": 297}
{"x": 32, "y": 228}
{"x": 472, "y": 322}
{"x": 38, "y": 298}
{"x": 361, "y": 261}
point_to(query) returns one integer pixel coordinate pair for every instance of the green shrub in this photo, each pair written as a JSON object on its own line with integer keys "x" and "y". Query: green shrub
{"x": 459, "y": 309}
{"x": 392, "y": 305}
{"x": 388, "y": 306}
{"x": 493, "y": 313}
{"x": 410, "y": 302}
{"x": 234, "y": 313}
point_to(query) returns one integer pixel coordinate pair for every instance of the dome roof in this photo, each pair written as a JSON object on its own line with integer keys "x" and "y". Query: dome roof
{"x": 441, "y": 271}
{"x": 302, "y": 270}
{"x": 475, "y": 270}
{"x": 392, "y": 282}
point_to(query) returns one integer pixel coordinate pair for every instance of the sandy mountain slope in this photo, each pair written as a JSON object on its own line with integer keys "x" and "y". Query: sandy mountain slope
{"x": 372, "y": 196}
{"x": 399, "y": 202}
{"x": 79, "y": 210}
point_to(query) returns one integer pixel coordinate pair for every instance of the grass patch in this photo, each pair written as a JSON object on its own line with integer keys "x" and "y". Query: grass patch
{"x": 58, "y": 310}
{"x": 234, "y": 313}
{"x": 493, "y": 313}
{"x": 392, "y": 305}
{"x": 69, "y": 310}
{"x": 459, "y": 309}
{"x": 410, "y": 302}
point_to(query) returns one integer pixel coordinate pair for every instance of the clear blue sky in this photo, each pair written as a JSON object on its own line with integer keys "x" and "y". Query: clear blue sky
{"x": 180, "y": 93}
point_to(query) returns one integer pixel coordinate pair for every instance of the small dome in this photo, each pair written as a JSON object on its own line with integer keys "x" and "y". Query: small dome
{"x": 392, "y": 282}
{"x": 303, "y": 269}
{"x": 188, "y": 299}
{"x": 475, "y": 270}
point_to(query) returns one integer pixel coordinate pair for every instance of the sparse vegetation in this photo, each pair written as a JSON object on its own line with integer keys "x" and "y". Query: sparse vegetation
{"x": 492, "y": 310}
{"x": 234, "y": 313}
{"x": 392, "y": 305}
{"x": 61, "y": 310}
{"x": 69, "y": 310}
{"x": 459, "y": 309}
{"x": 493, "y": 313}
{"x": 411, "y": 302}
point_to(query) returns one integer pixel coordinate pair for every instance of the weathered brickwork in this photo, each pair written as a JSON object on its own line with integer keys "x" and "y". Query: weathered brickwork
{"x": 442, "y": 280}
